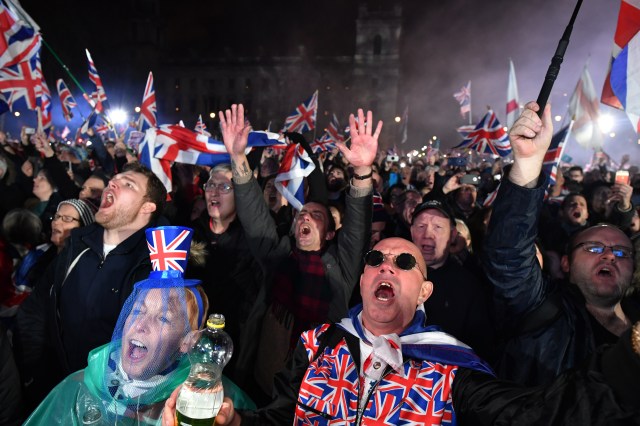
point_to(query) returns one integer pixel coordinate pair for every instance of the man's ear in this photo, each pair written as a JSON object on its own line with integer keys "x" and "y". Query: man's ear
{"x": 148, "y": 207}
{"x": 565, "y": 264}
{"x": 425, "y": 291}
{"x": 454, "y": 234}
{"x": 330, "y": 235}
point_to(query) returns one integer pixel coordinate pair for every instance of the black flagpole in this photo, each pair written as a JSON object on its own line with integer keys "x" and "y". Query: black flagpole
{"x": 554, "y": 67}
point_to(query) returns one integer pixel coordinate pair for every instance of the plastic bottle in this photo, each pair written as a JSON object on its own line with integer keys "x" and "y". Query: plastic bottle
{"x": 201, "y": 394}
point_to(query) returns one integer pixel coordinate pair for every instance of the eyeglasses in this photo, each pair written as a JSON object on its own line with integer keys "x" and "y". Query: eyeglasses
{"x": 64, "y": 218}
{"x": 404, "y": 261}
{"x": 223, "y": 188}
{"x": 598, "y": 248}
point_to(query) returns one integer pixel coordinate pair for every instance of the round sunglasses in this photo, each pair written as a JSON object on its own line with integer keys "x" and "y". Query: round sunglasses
{"x": 404, "y": 261}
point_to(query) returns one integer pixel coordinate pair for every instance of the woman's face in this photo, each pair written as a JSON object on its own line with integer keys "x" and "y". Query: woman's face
{"x": 41, "y": 187}
{"x": 152, "y": 334}
{"x": 66, "y": 219}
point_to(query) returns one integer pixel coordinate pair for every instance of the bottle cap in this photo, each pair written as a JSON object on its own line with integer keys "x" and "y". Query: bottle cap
{"x": 216, "y": 321}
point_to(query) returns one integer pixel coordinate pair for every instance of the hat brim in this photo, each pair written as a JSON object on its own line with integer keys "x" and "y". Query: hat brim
{"x": 166, "y": 283}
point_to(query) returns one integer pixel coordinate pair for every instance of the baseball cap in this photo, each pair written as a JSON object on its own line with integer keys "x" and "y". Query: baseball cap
{"x": 436, "y": 205}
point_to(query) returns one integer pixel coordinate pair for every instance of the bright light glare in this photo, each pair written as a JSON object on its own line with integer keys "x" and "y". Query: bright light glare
{"x": 557, "y": 117}
{"x": 398, "y": 119}
{"x": 403, "y": 164}
{"x": 606, "y": 123}
{"x": 212, "y": 114}
{"x": 17, "y": 113}
{"x": 612, "y": 134}
{"x": 137, "y": 109}
{"x": 118, "y": 116}
{"x": 434, "y": 138}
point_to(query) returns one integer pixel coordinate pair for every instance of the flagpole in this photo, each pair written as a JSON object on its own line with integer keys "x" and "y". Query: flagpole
{"x": 470, "y": 102}
{"x": 556, "y": 61}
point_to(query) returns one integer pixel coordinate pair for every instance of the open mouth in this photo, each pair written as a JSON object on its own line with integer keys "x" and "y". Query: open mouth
{"x": 107, "y": 200}
{"x": 605, "y": 272}
{"x": 137, "y": 350}
{"x": 577, "y": 215}
{"x": 428, "y": 249}
{"x": 305, "y": 230}
{"x": 384, "y": 292}
{"x": 214, "y": 203}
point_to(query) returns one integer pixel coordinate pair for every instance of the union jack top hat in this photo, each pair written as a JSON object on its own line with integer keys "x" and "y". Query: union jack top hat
{"x": 169, "y": 251}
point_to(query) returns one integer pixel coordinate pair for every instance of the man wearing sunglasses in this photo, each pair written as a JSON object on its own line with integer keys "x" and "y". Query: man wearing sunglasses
{"x": 382, "y": 365}
{"x": 550, "y": 328}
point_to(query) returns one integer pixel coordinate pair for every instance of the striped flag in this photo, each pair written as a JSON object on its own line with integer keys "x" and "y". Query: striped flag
{"x": 303, "y": 117}
{"x": 513, "y": 107}
{"x": 99, "y": 97}
{"x": 464, "y": 98}
{"x": 295, "y": 166}
{"x": 583, "y": 109}
{"x": 66, "y": 99}
{"x": 628, "y": 26}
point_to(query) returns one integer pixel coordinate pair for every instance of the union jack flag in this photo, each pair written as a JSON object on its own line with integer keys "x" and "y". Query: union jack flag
{"x": 19, "y": 83}
{"x": 102, "y": 128}
{"x": 201, "y": 127}
{"x": 18, "y": 42}
{"x": 177, "y": 143}
{"x": 554, "y": 153}
{"x": 168, "y": 254}
{"x": 43, "y": 103}
{"x": 148, "y": 107}
{"x": 489, "y": 136}
{"x": 464, "y": 98}
{"x": 333, "y": 132}
{"x": 303, "y": 117}
{"x": 324, "y": 143}
{"x": 66, "y": 99}
{"x": 161, "y": 168}
{"x": 295, "y": 166}
{"x": 99, "y": 97}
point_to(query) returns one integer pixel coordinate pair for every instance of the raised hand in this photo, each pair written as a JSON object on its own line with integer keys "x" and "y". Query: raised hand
{"x": 235, "y": 132}
{"x": 530, "y": 138}
{"x": 42, "y": 144}
{"x": 364, "y": 144}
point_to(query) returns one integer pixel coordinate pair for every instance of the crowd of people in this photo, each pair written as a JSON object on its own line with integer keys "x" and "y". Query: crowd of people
{"x": 404, "y": 291}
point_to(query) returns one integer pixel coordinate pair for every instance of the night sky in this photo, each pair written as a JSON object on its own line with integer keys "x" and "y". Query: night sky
{"x": 445, "y": 44}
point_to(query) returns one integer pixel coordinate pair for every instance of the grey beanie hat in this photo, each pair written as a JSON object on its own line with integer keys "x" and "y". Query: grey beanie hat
{"x": 85, "y": 210}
